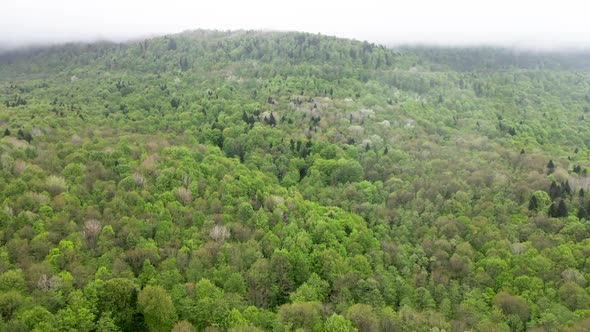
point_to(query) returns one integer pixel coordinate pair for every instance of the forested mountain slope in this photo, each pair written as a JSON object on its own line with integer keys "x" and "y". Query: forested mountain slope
{"x": 245, "y": 181}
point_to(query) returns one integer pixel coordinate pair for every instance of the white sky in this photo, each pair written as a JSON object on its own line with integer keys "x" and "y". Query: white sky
{"x": 536, "y": 24}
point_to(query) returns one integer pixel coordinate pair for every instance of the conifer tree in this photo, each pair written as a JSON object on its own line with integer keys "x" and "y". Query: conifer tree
{"x": 550, "y": 167}
{"x": 533, "y": 204}
{"x": 562, "y": 209}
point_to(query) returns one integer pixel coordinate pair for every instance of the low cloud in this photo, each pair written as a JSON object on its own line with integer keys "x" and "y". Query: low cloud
{"x": 526, "y": 23}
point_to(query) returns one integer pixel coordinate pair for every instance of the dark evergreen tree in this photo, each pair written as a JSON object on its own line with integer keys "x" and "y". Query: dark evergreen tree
{"x": 533, "y": 204}
{"x": 554, "y": 190}
{"x": 272, "y": 121}
{"x": 302, "y": 172}
{"x": 511, "y": 131}
{"x": 7, "y": 132}
{"x": 552, "y": 212}
{"x": 550, "y": 167}
{"x": 562, "y": 209}
{"x": 566, "y": 189}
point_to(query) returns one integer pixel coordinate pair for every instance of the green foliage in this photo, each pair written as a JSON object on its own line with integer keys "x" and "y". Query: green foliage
{"x": 337, "y": 323}
{"x": 363, "y": 317}
{"x": 157, "y": 308}
{"x": 12, "y": 280}
{"x": 235, "y": 284}
{"x": 106, "y": 324}
{"x": 119, "y": 297}
{"x": 314, "y": 289}
{"x": 255, "y": 181}
{"x": 303, "y": 315}
{"x": 77, "y": 315}
{"x": 10, "y": 302}
{"x": 55, "y": 185}
{"x": 36, "y": 316}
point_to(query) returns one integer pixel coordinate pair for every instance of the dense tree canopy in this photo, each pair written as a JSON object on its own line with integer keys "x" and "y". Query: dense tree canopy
{"x": 250, "y": 181}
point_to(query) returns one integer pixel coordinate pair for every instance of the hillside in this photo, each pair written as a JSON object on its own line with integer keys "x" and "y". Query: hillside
{"x": 244, "y": 181}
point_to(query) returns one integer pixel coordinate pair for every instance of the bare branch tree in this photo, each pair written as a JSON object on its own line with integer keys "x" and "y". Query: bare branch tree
{"x": 92, "y": 228}
{"x": 184, "y": 195}
{"x": 219, "y": 233}
{"x": 139, "y": 179}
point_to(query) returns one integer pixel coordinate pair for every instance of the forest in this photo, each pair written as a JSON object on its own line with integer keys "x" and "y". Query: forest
{"x": 282, "y": 181}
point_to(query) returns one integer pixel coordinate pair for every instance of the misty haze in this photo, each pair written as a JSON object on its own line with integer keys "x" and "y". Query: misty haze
{"x": 522, "y": 24}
